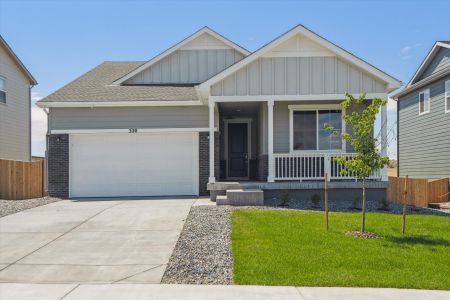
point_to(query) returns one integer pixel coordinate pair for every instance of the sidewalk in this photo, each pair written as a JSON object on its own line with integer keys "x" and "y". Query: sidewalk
{"x": 19, "y": 291}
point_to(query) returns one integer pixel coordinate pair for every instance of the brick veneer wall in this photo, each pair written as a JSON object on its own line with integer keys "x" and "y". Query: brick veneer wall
{"x": 58, "y": 165}
{"x": 263, "y": 167}
{"x": 204, "y": 161}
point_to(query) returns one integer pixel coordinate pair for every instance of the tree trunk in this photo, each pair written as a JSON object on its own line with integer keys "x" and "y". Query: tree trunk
{"x": 363, "y": 208}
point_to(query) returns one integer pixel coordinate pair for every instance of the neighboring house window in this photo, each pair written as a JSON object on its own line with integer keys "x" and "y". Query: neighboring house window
{"x": 424, "y": 102}
{"x": 309, "y": 130}
{"x": 447, "y": 96}
{"x": 2, "y": 89}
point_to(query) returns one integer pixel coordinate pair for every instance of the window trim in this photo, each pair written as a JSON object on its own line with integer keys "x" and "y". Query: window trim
{"x": 446, "y": 95}
{"x": 4, "y": 90}
{"x": 426, "y": 91}
{"x": 317, "y": 108}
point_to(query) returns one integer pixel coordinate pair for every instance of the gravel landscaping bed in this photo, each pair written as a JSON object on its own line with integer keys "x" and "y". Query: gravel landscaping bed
{"x": 8, "y": 207}
{"x": 202, "y": 254}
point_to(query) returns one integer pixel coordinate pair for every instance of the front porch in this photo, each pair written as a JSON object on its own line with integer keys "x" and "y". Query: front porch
{"x": 268, "y": 145}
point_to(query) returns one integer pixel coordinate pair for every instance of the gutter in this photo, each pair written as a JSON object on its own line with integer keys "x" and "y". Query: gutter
{"x": 421, "y": 83}
{"x": 121, "y": 103}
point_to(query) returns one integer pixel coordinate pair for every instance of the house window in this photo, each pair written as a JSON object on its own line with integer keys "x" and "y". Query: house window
{"x": 424, "y": 102}
{"x": 310, "y": 132}
{"x": 2, "y": 90}
{"x": 447, "y": 96}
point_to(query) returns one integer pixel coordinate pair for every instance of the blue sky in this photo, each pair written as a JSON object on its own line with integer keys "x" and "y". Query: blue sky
{"x": 60, "y": 40}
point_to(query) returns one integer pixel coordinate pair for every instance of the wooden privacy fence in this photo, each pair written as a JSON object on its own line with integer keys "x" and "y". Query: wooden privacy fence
{"x": 420, "y": 192}
{"x": 21, "y": 179}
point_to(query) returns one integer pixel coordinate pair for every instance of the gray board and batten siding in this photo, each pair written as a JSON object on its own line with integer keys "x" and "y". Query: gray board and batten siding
{"x": 297, "y": 76}
{"x": 187, "y": 67}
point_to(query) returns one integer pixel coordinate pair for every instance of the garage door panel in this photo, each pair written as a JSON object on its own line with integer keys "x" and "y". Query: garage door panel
{"x": 144, "y": 164}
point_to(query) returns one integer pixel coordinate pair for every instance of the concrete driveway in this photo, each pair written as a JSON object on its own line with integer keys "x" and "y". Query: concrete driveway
{"x": 91, "y": 241}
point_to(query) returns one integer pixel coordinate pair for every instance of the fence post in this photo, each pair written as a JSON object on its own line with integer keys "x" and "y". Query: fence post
{"x": 326, "y": 199}
{"x": 405, "y": 192}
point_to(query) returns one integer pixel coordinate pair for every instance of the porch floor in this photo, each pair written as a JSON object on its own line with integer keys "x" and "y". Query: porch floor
{"x": 293, "y": 185}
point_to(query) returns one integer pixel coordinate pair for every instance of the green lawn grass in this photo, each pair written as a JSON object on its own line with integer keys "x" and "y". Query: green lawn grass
{"x": 293, "y": 248}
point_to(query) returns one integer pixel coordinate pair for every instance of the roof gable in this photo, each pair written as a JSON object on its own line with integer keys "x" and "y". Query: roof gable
{"x": 429, "y": 59}
{"x": 18, "y": 62}
{"x": 299, "y": 46}
{"x": 203, "y": 39}
{"x": 291, "y": 41}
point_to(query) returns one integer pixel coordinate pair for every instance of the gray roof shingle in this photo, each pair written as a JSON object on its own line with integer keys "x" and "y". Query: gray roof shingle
{"x": 95, "y": 86}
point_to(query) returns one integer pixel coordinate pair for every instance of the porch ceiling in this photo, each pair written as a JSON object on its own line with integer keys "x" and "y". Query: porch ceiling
{"x": 237, "y": 109}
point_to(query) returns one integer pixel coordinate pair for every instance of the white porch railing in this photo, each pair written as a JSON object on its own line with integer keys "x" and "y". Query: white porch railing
{"x": 312, "y": 166}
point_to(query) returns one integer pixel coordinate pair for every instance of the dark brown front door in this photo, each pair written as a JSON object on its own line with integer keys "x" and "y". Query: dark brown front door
{"x": 237, "y": 150}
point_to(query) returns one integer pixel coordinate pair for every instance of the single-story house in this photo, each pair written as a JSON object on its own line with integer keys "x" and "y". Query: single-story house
{"x": 208, "y": 115}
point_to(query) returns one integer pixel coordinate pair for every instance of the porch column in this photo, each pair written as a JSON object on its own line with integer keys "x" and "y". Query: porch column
{"x": 212, "y": 105}
{"x": 271, "y": 166}
{"x": 384, "y": 142}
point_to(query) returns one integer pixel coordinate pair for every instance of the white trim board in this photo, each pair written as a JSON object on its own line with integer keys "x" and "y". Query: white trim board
{"x": 392, "y": 82}
{"x": 119, "y": 104}
{"x": 447, "y": 95}
{"x": 176, "y": 47}
{"x": 128, "y": 130}
{"x": 426, "y": 101}
{"x": 318, "y": 97}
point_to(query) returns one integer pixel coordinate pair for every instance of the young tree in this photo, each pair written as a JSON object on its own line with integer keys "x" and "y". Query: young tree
{"x": 367, "y": 159}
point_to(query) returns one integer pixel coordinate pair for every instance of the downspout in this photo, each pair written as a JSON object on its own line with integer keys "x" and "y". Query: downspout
{"x": 30, "y": 155}
{"x": 47, "y": 136}
{"x": 398, "y": 137}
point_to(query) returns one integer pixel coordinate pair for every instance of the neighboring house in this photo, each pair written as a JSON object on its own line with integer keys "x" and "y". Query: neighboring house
{"x": 143, "y": 128}
{"x": 15, "y": 106}
{"x": 424, "y": 118}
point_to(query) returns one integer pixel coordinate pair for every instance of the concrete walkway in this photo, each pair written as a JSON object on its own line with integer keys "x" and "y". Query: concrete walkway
{"x": 91, "y": 241}
{"x": 199, "y": 292}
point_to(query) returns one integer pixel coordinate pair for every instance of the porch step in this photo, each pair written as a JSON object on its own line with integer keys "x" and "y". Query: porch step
{"x": 241, "y": 197}
{"x": 443, "y": 205}
{"x": 222, "y": 200}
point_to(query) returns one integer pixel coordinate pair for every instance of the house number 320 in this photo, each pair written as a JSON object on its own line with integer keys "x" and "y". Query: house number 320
{"x": 133, "y": 130}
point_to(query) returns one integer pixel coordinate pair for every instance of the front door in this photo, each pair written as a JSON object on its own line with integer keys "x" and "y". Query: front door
{"x": 237, "y": 150}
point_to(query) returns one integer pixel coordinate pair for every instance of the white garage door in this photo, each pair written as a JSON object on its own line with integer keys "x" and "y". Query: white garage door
{"x": 137, "y": 164}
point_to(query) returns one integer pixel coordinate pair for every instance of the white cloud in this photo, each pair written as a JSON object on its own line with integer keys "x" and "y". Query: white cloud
{"x": 38, "y": 126}
{"x": 407, "y": 51}
{"x": 35, "y": 97}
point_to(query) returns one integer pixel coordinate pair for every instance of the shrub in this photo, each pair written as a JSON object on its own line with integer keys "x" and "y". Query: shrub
{"x": 315, "y": 199}
{"x": 384, "y": 204}
{"x": 284, "y": 198}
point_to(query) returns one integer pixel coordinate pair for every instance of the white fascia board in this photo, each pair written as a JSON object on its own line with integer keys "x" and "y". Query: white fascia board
{"x": 119, "y": 104}
{"x": 127, "y": 130}
{"x": 320, "y": 97}
{"x": 391, "y": 81}
{"x": 416, "y": 85}
{"x": 427, "y": 61}
{"x": 178, "y": 46}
